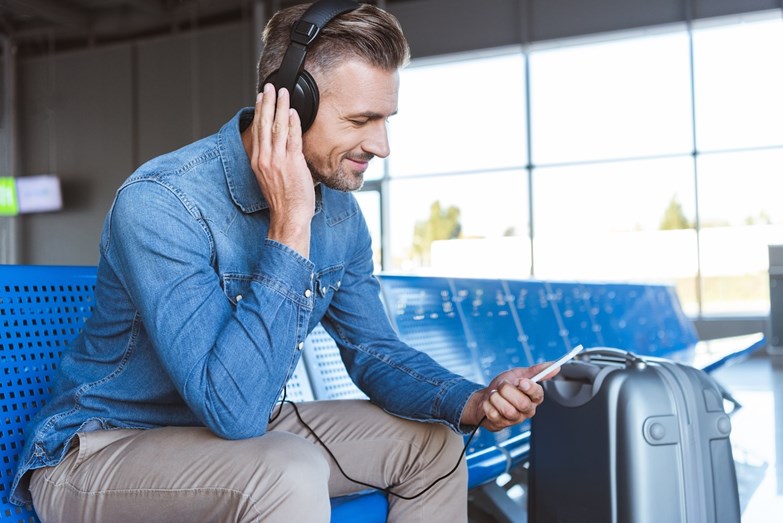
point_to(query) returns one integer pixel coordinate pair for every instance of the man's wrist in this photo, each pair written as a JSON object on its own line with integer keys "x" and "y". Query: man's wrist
{"x": 473, "y": 413}
{"x": 296, "y": 237}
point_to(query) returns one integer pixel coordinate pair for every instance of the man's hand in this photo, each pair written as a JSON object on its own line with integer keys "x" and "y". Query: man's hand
{"x": 509, "y": 399}
{"x": 281, "y": 171}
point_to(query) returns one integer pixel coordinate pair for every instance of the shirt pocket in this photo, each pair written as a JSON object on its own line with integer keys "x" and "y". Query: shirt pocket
{"x": 236, "y": 287}
{"x": 328, "y": 281}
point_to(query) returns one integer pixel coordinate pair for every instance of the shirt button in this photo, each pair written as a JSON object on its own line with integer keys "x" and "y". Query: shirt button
{"x": 308, "y": 293}
{"x": 239, "y": 297}
{"x": 300, "y": 346}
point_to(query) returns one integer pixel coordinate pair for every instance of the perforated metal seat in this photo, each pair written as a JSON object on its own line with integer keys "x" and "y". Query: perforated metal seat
{"x": 443, "y": 317}
{"x": 329, "y": 379}
{"x": 474, "y": 327}
{"x": 41, "y": 310}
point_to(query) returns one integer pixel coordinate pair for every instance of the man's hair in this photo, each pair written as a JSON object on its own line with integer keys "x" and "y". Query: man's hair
{"x": 367, "y": 33}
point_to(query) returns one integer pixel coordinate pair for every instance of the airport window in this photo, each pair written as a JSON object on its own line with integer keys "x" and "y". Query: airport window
{"x": 627, "y": 220}
{"x": 741, "y": 214}
{"x": 462, "y": 224}
{"x": 652, "y": 156}
{"x": 460, "y": 115}
{"x": 370, "y": 204}
{"x": 739, "y": 151}
{"x": 619, "y": 98}
{"x": 737, "y": 81}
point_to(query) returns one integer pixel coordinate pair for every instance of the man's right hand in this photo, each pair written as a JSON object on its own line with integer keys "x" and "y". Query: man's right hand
{"x": 281, "y": 171}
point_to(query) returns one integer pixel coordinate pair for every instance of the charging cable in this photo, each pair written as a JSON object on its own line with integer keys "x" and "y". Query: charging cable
{"x": 387, "y": 490}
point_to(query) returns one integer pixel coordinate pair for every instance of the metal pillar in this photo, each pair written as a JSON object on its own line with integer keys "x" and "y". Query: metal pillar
{"x": 9, "y": 225}
{"x": 775, "y": 341}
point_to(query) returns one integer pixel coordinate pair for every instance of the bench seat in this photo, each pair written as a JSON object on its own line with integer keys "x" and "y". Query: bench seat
{"x": 475, "y": 327}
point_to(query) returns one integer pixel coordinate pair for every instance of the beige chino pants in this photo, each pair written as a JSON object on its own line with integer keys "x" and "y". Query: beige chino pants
{"x": 187, "y": 474}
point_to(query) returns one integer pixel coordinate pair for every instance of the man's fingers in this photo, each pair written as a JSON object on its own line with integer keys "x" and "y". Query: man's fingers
{"x": 262, "y": 122}
{"x": 533, "y": 391}
{"x": 509, "y": 405}
{"x": 280, "y": 123}
{"x": 507, "y": 401}
{"x": 294, "y": 132}
{"x": 500, "y": 404}
{"x": 277, "y": 130}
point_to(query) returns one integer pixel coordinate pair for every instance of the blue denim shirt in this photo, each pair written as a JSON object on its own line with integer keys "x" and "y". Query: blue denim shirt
{"x": 199, "y": 320}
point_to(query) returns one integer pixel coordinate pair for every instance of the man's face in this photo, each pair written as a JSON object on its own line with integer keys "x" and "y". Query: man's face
{"x": 350, "y": 127}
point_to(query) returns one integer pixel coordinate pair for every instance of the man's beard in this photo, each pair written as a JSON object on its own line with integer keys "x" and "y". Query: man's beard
{"x": 340, "y": 180}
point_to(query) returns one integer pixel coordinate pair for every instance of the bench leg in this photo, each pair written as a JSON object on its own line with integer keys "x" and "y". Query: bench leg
{"x": 491, "y": 502}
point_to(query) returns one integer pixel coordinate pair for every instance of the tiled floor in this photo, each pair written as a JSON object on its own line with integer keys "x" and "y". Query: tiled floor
{"x": 757, "y": 436}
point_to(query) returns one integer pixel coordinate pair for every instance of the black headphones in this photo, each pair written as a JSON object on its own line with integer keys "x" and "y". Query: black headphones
{"x": 291, "y": 75}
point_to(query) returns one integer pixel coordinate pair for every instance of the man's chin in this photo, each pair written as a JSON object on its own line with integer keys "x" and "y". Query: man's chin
{"x": 345, "y": 183}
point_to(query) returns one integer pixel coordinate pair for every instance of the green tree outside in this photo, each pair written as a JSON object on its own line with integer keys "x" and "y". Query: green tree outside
{"x": 442, "y": 224}
{"x": 674, "y": 217}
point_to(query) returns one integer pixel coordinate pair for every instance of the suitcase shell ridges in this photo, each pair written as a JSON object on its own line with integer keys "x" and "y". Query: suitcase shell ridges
{"x": 640, "y": 441}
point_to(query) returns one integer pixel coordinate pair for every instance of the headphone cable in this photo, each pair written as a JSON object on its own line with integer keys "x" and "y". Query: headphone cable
{"x": 387, "y": 490}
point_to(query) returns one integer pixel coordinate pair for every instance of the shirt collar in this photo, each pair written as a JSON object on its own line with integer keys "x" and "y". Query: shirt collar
{"x": 240, "y": 178}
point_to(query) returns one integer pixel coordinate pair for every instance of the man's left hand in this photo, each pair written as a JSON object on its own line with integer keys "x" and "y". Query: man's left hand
{"x": 510, "y": 398}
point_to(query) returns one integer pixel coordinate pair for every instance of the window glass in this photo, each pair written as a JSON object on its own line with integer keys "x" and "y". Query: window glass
{"x": 375, "y": 169}
{"x": 623, "y": 98}
{"x": 465, "y": 225}
{"x": 620, "y": 221}
{"x": 741, "y": 214}
{"x": 614, "y": 179}
{"x": 461, "y": 115}
{"x": 738, "y": 79}
{"x": 370, "y": 204}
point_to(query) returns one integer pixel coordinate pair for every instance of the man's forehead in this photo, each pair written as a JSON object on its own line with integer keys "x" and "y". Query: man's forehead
{"x": 361, "y": 87}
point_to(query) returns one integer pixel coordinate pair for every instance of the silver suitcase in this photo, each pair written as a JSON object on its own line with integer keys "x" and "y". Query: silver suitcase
{"x": 625, "y": 439}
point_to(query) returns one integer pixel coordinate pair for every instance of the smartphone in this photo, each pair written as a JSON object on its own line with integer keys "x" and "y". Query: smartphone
{"x": 557, "y": 364}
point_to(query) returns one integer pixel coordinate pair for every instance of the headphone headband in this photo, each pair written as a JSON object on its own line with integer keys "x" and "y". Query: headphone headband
{"x": 304, "y": 33}
{"x": 318, "y": 15}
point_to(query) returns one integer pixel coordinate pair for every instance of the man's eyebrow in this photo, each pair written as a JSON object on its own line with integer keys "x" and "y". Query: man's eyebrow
{"x": 371, "y": 115}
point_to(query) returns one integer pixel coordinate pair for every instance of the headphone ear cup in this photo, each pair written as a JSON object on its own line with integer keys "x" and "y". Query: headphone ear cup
{"x": 305, "y": 99}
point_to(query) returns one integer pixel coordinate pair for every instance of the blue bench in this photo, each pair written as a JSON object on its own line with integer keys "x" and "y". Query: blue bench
{"x": 477, "y": 327}
{"x": 521, "y": 322}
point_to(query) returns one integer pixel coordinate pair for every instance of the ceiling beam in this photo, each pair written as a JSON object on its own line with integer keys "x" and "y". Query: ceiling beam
{"x": 54, "y": 12}
{"x": 148, "y": 7}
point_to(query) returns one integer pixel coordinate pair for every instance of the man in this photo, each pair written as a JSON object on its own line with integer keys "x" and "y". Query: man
{"x": 216, "y": 261}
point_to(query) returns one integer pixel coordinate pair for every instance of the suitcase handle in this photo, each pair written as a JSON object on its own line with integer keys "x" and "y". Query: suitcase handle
{"x": 607, "y": 354}
{"x": 580, "y": 379}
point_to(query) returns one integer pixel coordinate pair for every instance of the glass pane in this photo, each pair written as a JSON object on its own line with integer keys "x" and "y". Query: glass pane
{"x": 460, "y": 116}
{"x": 626, "y": 221}
{"x": 614, "y": 99}
{"x": 375, "y": 169}
{"x": 370, "y": 204}
{"x": 741, "y": 214}
{"x": 738, "y": 81}
{"x": 462, "y": 225}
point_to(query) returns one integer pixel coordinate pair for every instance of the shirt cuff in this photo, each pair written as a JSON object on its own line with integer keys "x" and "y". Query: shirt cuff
{"x": 454, "y": 402}
{"x": 287, "y": 271}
